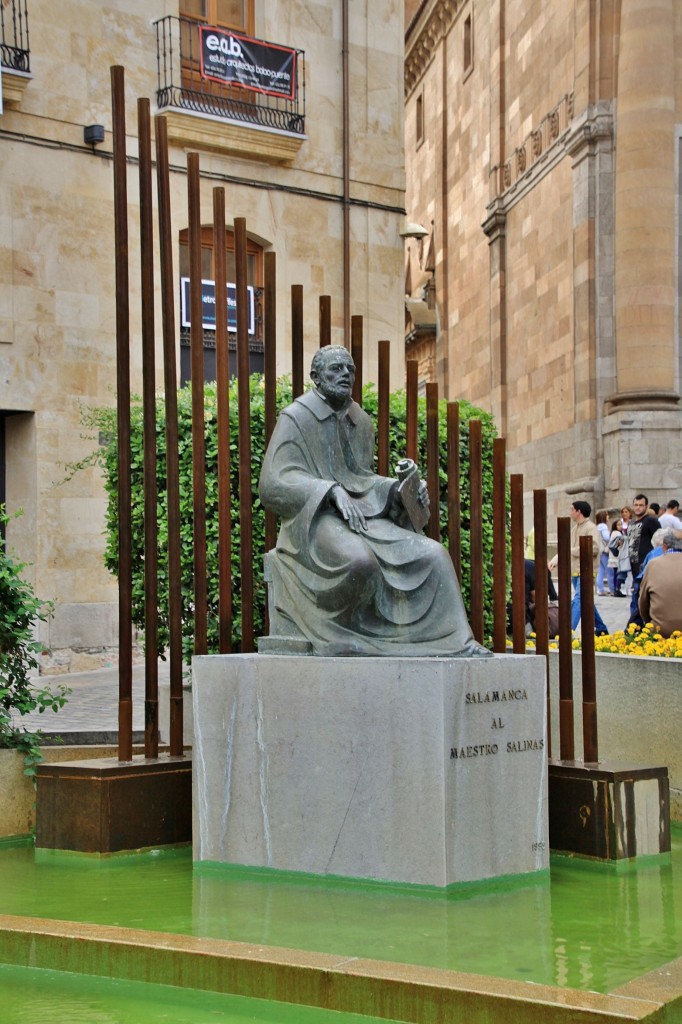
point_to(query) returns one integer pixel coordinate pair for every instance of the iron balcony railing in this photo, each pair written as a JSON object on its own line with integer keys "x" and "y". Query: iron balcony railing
{"x": 14, "y": 48}
{"x": 181, "y": 84}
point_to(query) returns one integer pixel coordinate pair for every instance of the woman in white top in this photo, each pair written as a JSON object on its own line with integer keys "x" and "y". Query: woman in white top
{"x": 619, "y": 558}
{"x": 601, "y": 519}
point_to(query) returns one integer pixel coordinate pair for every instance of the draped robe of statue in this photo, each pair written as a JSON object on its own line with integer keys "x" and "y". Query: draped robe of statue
{"x": 384, "y": 591}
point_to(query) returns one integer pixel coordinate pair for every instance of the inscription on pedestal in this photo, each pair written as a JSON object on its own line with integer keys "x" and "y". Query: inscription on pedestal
{"x": 497, "y": 723}
{"x": 502, "y": 713}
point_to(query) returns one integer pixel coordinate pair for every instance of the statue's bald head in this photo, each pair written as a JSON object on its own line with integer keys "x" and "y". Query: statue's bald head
{"x": 329, "y": 354}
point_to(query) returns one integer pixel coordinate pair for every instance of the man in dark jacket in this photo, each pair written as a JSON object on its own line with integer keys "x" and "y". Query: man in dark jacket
{"x": 640, "y": 531}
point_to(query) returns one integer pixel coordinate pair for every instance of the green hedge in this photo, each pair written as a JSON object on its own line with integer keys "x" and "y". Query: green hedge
{"x": 105, "y": 421}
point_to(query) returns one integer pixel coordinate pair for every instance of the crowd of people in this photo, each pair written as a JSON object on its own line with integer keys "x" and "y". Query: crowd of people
{"x": 628, "y": 545}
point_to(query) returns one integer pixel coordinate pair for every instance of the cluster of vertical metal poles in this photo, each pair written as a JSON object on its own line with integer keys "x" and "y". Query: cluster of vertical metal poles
{"x": 477, "y": 556}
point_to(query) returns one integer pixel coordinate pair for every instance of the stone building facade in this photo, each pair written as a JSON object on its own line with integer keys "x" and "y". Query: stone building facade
{"x": 543, "y": 157}
{"x": 318, "y": 177}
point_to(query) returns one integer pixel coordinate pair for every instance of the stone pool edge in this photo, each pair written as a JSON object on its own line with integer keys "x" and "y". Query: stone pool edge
{"x": 419, "y": 995}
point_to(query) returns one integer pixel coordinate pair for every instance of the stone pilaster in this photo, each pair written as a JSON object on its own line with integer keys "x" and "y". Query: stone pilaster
{"x": 494, "y": 227}
{"x": 590, "y": 146}
{"x": 645, "y": 191}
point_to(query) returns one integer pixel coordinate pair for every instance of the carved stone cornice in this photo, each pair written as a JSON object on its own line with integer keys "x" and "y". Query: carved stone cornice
{"x": 495, "y": 224}
{"x": 13, "y": 85}
{"x": 645, "y": 399}
{"x": 594, "y": 126}
{"x": 547, "y": 136}
{"x": 190, "y": 129}
{"x": 423, "y": 38}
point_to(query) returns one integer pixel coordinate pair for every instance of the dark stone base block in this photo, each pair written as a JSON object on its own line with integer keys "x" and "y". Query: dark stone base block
{"x": 608, "y": 811}
{"x": 106, "y": 805}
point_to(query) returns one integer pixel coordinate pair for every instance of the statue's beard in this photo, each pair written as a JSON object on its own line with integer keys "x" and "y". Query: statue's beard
{"x": 337, "y": 392}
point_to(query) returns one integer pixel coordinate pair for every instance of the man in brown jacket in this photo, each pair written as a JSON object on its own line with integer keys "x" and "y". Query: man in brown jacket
{"x": 660, "y": 594}
{"x": 582, "y": 526}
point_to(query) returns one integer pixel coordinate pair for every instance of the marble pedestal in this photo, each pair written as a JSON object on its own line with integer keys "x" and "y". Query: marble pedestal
{"x": 425, "y": 771}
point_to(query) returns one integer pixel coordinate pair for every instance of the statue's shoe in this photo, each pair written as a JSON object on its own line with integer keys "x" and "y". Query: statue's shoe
{"x": 474, "y": 650}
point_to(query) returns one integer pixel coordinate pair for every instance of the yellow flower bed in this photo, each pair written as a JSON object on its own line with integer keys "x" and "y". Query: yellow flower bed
{"x": 642, "y": 643}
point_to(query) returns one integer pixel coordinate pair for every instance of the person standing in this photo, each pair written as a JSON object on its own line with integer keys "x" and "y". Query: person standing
{"x": 601, "y": 520}
{"x": 640, "y": 531}
{"x": 670, "y": 519}
{"x": 619, "y": 561}
{"x": 582, "y": 526}
{"x": 626, "y": 519}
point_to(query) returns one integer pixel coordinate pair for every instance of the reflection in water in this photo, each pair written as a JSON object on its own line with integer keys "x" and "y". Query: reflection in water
{"x": 590, "y": 927}
{"x": 607, "y": 921}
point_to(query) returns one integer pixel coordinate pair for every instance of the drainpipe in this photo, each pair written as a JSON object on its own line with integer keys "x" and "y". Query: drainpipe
{"x": 346, "y": 176}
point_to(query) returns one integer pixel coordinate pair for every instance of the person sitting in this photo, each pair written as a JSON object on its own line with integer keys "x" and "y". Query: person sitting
{"x": 350, "y": 573}
{"x": 553, "y": 623}
{"x": 660, "y": 592}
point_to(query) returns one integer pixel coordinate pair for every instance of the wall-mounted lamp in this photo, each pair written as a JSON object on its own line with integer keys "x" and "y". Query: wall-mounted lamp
{"x": 93, "y": 134}
{"x": 411, "y": 230}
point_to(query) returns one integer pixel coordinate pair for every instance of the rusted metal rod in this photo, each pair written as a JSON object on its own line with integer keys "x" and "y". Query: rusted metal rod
{"x": 589, "y": 673}
{"x": 542, "y": 594}
{"x": 499, "y": 546}
{"x": 223, "y": 426}
{"x": 244, "y": 404}
{"x": 433, "y": 461}
{"x": 166, "y": 243}
{"x": 198, "y": 443}
{"x": 125, "y": 587}
{"x": 518, "y": 574}
{"x": 476, "y": 527}
{"x": 356, "y": 351}
{"x": 566, "y": 724}
{"x": 296, "y": 340}
{"x": 151, "y": 557}
{"x": 270, "y": 370}
{"x": 411, "y": 418}
{"x": 384, "y": 352}
{"x": 325, "y": 320}
{"x": 454, "y": 489}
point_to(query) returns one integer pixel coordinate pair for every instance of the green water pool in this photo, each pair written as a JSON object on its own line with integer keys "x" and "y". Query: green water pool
{"x": 29, "y": 996}
{"x": 585, "y": 926}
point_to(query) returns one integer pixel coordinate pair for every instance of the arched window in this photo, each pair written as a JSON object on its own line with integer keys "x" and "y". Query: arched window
{"x": 254, "y": 278}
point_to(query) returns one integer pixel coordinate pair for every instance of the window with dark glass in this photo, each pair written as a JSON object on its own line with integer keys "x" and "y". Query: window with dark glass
{"x": 468, "y": 44}
{"x": 419, "y": 114}
{"x": 254, "y": 277}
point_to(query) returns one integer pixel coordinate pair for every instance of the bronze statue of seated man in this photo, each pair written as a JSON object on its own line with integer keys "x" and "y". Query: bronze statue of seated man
{"x": 350, "y": 573}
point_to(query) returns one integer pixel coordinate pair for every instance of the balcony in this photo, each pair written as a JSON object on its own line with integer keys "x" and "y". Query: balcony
{"x": 14, "y": 49}
{"x": 224, "y": 114}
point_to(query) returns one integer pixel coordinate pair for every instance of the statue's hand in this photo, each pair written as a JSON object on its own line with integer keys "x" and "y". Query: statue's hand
{"x": 348, "y": 509}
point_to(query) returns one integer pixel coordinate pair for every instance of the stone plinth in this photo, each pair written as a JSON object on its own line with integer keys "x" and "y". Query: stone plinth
{"x": 425, "y": 771}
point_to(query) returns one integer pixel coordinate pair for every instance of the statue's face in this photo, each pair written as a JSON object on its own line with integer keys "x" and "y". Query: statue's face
{"x": 334, "y": 378}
